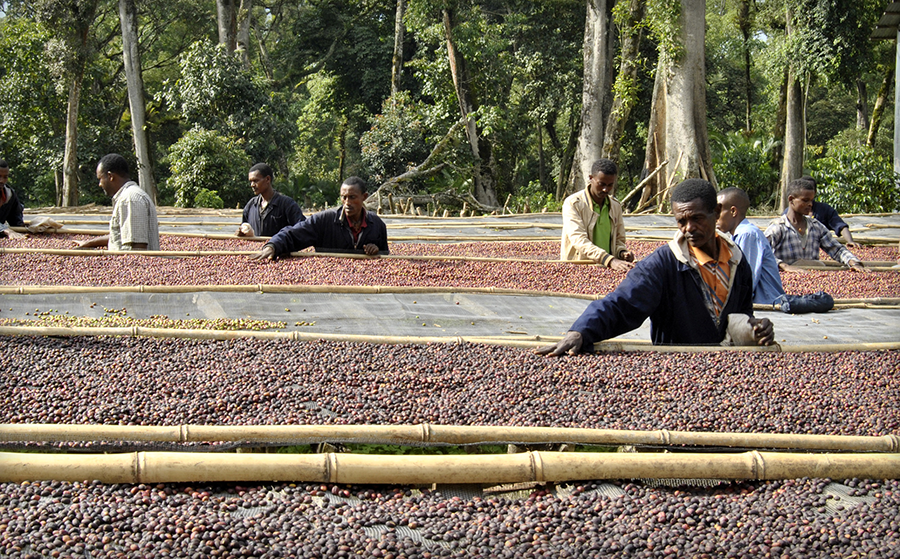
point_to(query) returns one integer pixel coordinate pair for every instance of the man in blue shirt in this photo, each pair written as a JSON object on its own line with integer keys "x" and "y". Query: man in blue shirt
{"x": 691, "y": 288}
{"x": 767, "y": 287}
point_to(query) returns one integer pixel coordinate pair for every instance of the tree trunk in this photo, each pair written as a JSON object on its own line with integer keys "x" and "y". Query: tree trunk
{"x": 679, "y": 133}
{"x": 482, "y": 155}
{"x": 70, "y": 159}
{"x": 625, "y": 81}
{"x": 397, "y": 60}
{"x": 342, "y": 149}
{"x": 226, "y": 18}
{"x": 542, "y": 171}
{"x": 745, "y": 25}
{"x": 862, "y": 106}
{"x": 133, "y": 75}
{"x": 566, "y": 159}
{"x": 596, "y": 94}
{"x": 794, "y": 135}
{"x": 878, "y": 110}
{"x": 242, "y": 37}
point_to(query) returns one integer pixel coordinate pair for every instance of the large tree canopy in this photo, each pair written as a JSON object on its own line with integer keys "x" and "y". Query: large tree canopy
{"x": 499, "y": 102}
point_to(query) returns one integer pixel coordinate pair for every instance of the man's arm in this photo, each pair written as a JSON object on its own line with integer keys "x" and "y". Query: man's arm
{"x": 847, "y": 236}
{"x": 835, "y": 249}
{"x": 623, "y": 310}
{"x": 101, "y": 241}
{"x": 289, "y": 239}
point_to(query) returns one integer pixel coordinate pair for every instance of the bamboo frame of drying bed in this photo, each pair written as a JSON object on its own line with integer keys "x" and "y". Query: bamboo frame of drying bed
{"x": 524, "y": 342}
{"x": 430, "y": 434}
{"x": 180, "y": 467}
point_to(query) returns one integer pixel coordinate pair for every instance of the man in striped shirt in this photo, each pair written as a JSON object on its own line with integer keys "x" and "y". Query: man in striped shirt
{"x": 796, "y": 236}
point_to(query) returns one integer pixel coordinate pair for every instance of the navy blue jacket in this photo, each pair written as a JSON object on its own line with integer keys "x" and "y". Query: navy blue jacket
{"x": 328, "y": 231}
{"x": 280, "y": 212}
{"x": 12, "y": 211}
{"x": 665, "y": 288}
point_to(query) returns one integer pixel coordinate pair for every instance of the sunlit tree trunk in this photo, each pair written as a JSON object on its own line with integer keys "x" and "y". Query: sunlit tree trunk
{"x": 226, "y": 19}
{"x": 745, "y": 23}
{"x": 677, "y": 129}
{"x": 70, "y": 159}
{"x": 596, "y": 93}
{"x": 878, "y": 110}
{"x": 794, "y": 135}
{"x": 483, "y": 177}
{"x": 794, "y": 126}
{"x": 397, "y": 60}
{"x": 242, "y": 38}
{"x": 132, "y": 56}
{"x": 626, "y": 79}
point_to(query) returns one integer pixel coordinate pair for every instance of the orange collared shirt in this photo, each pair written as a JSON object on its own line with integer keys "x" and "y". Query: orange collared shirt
{"x": 715, "y": 274}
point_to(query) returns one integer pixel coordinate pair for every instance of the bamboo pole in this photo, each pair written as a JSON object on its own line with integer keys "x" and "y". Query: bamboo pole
{"x": 641, "y": 184}
{"x": 429, "y": 434}
{"x": 179, "y": 467}
{"x": 530, "y": 342}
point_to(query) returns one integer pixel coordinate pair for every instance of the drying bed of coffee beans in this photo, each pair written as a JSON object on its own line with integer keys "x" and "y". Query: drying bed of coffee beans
{"x": 141, "y": 381}
{"x": 45, "y": 269}
{"x": 795, "y": 518}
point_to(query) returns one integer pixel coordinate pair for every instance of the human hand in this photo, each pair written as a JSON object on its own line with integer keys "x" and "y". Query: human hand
{"x": 763, "y": 331}
{"x": 10, "y": 234}
{"x": 371, "y": 249}
{"x": 571, "y": 344}
{"x": 858, "y": 266}
{"x": 620, "y": 265}
{"x": 627, "y": 256}
{"x": 267, "y": 253}
{"x": 244, "y": 230}
{"x": 792, "y": 269}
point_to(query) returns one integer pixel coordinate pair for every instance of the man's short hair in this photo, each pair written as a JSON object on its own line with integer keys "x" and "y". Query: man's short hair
{"x": 796, "y": 186}
{"x": 689, "y": 190}
{"x": 605, "y": 166}
{"x": 809, "y": 179}
{"x": 734, "y": 196}
{"x": 4, "y": 164}
{"x": 114, "y": 163}
{"x": 358, "y": 182}
{"x": 263, "y": 169}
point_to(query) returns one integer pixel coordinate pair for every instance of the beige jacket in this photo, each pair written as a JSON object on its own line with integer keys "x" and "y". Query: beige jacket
{"x": 578, "y": 230}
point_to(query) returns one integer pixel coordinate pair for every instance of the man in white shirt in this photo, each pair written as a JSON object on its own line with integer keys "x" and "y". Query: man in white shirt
{"x": 133, "y": 225}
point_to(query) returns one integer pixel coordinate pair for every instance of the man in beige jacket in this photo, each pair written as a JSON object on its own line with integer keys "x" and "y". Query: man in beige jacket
{"x": 593, "y": 228}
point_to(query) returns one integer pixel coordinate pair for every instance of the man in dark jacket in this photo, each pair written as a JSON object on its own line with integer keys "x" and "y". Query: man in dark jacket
{"x": 269, "y": 211}
{"x": 10, "y": 207}
{"x": 688, "y": 288}
{"x": 349, "y": 228}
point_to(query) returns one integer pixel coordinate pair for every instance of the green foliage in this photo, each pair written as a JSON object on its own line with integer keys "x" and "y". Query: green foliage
{"x": 205, "y": 160}
{"x": 208, "y": 199}
{"x": 215, "y": 92}
{"x": 856, "y": 180}
{"x": 396, "y": 140}
{"x": 664, "y": 20}
{"x": 32, "y": 128}
{"x": 535, "y": 198}
{"x": 745, "y": 161}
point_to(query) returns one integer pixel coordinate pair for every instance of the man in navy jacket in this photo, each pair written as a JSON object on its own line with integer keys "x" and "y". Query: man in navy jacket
{"x": 349, "y": 228}
{"x": 688, "y": 288}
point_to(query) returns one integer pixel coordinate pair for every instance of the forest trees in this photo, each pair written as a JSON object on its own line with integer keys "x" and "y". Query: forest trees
{"x": 503, "y": 100}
